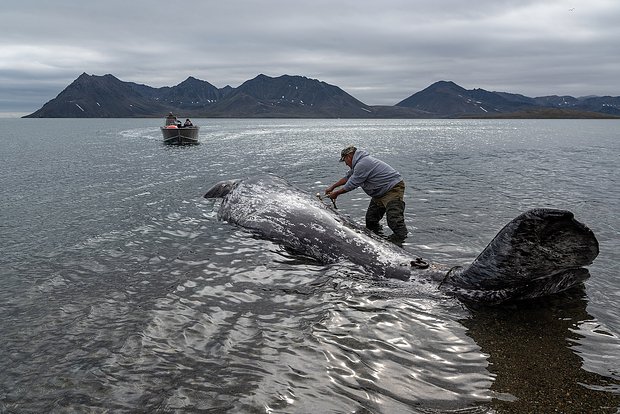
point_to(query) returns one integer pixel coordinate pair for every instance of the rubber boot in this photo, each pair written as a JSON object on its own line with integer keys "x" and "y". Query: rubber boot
{"x": 374, "y": 214}
{"x": 395, "y": 215}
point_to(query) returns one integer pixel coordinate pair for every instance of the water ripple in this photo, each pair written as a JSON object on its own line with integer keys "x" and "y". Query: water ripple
{"x": 122, "y": 292}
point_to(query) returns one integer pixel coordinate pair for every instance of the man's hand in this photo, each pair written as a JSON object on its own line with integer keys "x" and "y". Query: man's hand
{"x": 334, "y": 194}
{"x": 330, "y": 190}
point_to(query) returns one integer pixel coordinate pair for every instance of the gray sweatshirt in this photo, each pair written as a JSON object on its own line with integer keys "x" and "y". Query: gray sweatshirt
{"x": 374, "y": 176}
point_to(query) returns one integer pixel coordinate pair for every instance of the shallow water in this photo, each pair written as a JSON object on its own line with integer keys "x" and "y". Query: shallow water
{"x": 121, "y": 291}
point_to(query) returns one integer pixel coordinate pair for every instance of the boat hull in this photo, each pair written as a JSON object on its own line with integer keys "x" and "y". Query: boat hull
{"x": 180, "y": 136}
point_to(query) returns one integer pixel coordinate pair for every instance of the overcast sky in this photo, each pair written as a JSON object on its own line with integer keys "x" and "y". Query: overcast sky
{"x": 380, "y": 52}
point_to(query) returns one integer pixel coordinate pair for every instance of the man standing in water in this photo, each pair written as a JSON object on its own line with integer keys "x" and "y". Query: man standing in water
{"x": 381, "y": 182}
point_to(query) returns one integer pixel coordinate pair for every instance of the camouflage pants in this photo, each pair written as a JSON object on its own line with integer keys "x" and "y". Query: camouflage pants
{"x": 392, "y": 206}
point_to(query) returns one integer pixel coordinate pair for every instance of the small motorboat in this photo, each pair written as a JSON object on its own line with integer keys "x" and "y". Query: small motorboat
{"x": 177, "y": 134}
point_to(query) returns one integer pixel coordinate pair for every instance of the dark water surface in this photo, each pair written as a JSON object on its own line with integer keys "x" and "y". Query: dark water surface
{"x": 120, "y": 291}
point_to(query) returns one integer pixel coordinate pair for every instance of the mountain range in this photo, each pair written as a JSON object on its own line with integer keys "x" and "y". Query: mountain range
{"x": 92, "y": 96}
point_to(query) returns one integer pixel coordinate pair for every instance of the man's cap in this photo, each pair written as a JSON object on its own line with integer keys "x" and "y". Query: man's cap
{"x": 348, "y": 150}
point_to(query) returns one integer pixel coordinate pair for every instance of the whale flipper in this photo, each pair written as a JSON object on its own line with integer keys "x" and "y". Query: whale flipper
{"x": 538, "y": 253}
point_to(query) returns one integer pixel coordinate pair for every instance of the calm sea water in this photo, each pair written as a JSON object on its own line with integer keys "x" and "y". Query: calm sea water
{"x": 120, "y": 291}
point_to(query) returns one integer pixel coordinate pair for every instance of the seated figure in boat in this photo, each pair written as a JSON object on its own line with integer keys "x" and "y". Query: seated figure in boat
{"x": 171, "y": 119}
{"x": 188, "y": 123}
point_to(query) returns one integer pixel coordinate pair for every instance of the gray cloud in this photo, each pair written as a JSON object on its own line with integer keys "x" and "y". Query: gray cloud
{"x": 380, "y": 52}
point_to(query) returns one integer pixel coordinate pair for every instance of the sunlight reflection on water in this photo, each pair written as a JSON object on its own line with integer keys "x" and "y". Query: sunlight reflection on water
{"x": 123, "y": 291}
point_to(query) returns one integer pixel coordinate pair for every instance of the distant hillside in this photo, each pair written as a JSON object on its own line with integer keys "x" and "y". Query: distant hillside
{"x": 105, "y": 96}
{"x": 547, "y": 113}
{"x": 102, "y": 97}
{"x": 91, "y": 96}
{"x": 289, "y": 96}
{"x": 449, "y": 100}
{"x": 191, "y": 94}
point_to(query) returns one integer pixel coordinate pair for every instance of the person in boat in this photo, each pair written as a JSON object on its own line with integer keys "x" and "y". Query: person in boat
{"x": 382, "y": 183}
{"x": 171, "y": 119}
{"x": 188, "y": 123}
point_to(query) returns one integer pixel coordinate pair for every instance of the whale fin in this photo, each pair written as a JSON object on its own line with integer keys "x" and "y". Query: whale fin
{"x": 222, "y": 189}
{"x": 540, "y": 252}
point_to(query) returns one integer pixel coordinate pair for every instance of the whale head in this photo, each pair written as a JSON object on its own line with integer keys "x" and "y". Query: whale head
{"x": 222, "y": 189}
